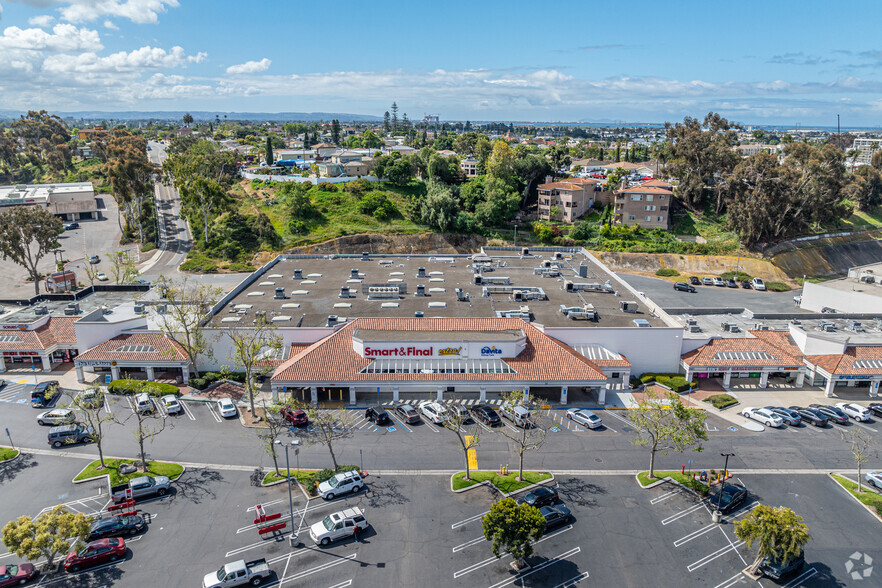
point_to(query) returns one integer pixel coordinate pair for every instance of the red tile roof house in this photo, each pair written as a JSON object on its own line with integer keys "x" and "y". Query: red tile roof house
{"x": 433, "y": 356}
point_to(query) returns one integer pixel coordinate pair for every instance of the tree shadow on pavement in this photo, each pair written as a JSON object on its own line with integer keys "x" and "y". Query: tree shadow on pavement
{"x": 10, "y": 469}
{"x": 196, "y": 485}
{"x": 543, "y": 572}
{"x": 384, "y": 493}
{"x": 579, "y": 491}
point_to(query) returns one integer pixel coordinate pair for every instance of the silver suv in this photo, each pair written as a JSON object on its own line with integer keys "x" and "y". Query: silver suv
{"x": 342, "y": 483}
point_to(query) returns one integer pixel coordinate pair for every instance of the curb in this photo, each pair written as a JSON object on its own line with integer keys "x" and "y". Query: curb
{"x": 676, "y": 483}
{"x": 107, "y": 476}
{"x": 14, "y": 457}
{"x": 853, "y": 497}
{"x": 488, "y": 483}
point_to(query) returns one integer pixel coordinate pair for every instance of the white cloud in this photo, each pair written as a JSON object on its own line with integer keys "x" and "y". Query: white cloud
{"x": 64, "y": 37}
{"x": 144, "y": 58}
{"x": 43, "y": 20}
{"x": 140, "y": 11}
{"x": 249, "y": 67}
{"x": 108, "y": 24}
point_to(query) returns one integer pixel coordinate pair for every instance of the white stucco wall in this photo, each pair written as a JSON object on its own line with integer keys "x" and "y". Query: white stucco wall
{"x": 816, "y": 344}
{"x": 653, "y": 349}
{"x": 817, "y": 296}
{"x": 222, "y": 347}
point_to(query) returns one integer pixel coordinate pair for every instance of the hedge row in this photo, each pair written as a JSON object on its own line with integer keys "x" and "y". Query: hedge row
{"x": 676, "y": 382}
{"x": 138, "y": 386}
{"x": 209, "y": 378}
{"x": 777, "y": 287}
{"x": 667, "y": 271}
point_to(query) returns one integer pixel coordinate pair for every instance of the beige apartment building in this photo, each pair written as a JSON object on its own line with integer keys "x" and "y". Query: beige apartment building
{"x": 573, "y": 198}
{"x": 645, "y": 205}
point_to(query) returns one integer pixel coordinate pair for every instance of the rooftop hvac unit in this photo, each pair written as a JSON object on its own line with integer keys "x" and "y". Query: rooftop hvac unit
{"x": 421, "y": 272}
{"x": 525, "y": 251}
{"x": 365, "y": 256}
{"x": 420, "y": 291}
{"x": 728, "y": 326}
{"x": 694, "y": 329}
{"x": 628, "y": 306}
{"x": 856, "y": 326}
{"x": 583, "y": 270}
{"x": 353, "y": 274}
{"x": 378, "y": 292}
{"x": 298, "y": 274}
{"x": 161, "y": 308}
{"x": 344, "y": 292}
{"x": 795, "y": 322}
{"x": 418, "y": 314}
{"x": 546, "y": 263}
{"x": 280, "y": 294}
{"x": 691, "y": 322}
{"x": 557, "y": 255}
{"x": 332, "y": 320}
{"x": 830, "y": 328}
{"x": 479, "y": 279}
{"x": 734, "y": 329}
{"x": 517, "y": 295}
{"x": 139, "y": 308}
{"x": 461, "y": 295}
{"x": 761, "y": 327}
{"x": 868, "y": 279}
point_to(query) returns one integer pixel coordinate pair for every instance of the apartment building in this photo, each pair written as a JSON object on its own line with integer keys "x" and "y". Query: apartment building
{"x": 645, "y": 205}
{"x": 573, "y": 198}
{"x": 866, "y": 148}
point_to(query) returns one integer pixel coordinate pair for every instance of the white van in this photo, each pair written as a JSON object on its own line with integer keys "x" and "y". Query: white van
{"x": 143, "y": 403}
{"x": 519, "y": 415}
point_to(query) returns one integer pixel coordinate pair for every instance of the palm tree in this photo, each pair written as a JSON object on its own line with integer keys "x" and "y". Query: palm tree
{"x": 778, "y": 532}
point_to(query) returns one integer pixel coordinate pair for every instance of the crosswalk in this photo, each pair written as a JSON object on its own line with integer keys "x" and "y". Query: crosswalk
{"x": 466, "y": 402}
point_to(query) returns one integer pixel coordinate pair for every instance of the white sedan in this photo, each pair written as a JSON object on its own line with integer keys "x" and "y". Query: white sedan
{"x": 766, "y": 417}
{"x": 874, "y": 479}
{"x": 59, "y": 416}
{"x": 434, "y": 412}
{"x": 584, "y": 417}
{"x": 855, "y": 411}
{"x": 226, "y": 407}
{"x": 101, "y": 277}
{"x": 171, "y": 404}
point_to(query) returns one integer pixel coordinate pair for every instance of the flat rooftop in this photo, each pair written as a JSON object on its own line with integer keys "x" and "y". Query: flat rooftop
{"x": 22, "y": 193}
{"x": 858, "y": 332}
{"x": 13, "y": 314}
{"x": 315, "y": 295}
{"x": 855, "y": 285}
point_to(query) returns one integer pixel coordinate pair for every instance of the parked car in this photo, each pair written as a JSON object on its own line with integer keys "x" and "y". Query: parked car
{"x": 342, "y": 483}
{"x": 70, "y": 226}
{"x": 810, "y": 415}
{"x": 434, "y": 412}
{"x": 694, "y": 281}
{"x": 95, "y": 553}
{"x": 238, "y": 573}
{"x": 339, "y": 525}
{"x": 226, "y": 408}
{"x": 17, "y": 574}
{"x": 541, "y": 496}
{"x": 875, "y": 408}
{"x": 141, "y": 487}
{"x": 144, "y": 404}
{"x": 791, "y": 417}
{"x": 377, "y": 414}
{"x": 758, "y": 284}
{"x": 728, "y": 497}
{"x": 833, "y": 414}
{"x": 855, "y": 411}
{"x": 730, "y": 283}
{"x": 44, "y": 393}
{"x": 459, "y": 411}
{"x": 719, "y": 282}
{"x": 555, "y": 516}
{"x": 94, "y": 259}
{"x": 517, "y": 414}
{"x": 766, "y": 417}
{"x": 778, "y": 570}
{"x": 295, "y": 416}
{"x": 584, "y": 417}
{"x": 101, "y": 277}
{"x": 683, "y": 287}
{"x": 707, "y": 281}
{"x": 171, "y": 405}
{"x": 407, "y": 413}
{"x": 874, "y": 479}
{"x": 70, "y": 435}
{"x": 87, "y": 398}
{"x": 745, "y": 284}
{"x": 486, "y": 415}
{"x": 115, "y": 527}
{"x": 59, "y": 416}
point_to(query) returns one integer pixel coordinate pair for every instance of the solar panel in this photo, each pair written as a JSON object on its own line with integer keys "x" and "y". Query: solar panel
{"x": 10, "y": 339}
{"x": 865, "y": 364}
{"x": 742, "y": 356}
{"x": 135, "y": 349}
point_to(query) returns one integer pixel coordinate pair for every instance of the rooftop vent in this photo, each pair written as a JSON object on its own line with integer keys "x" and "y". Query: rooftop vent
{"x": 344, "y": 292}
{"x": 353, "y": 274}
{"x": 365, "y": 256}
{"x": 332, "y": 320}
{"x": 461, "y": 295}
{"x": 420, "y": 291}
{"x": 139, "y": 308}
{"x": 525, "y": 251}
{"x": 421, "y": 272}
{"x": 298, "y": 274}
{"x": 280, "y": 294}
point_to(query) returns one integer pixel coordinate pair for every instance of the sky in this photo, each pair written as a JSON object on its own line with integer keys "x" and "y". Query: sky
{"x": 783, "y": 63}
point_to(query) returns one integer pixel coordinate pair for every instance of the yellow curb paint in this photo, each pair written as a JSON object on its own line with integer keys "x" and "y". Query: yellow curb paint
{"x": 23, "y": 381}
{"x": 472, "y": 454}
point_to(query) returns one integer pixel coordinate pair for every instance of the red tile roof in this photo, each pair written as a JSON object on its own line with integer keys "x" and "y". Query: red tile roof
{"x": 776, "y": 344}
{"x": 844, "y": 364}
{"x": 333, "y": 359}
{"x": 165, "y": 349}
{"x": 643, "y": 189}
{"x": 58, "y": 330}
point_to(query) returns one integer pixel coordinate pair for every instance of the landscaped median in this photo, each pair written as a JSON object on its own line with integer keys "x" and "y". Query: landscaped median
{"x": 867, "y": 497}
{"x": 721, "y": 401}
{"x": 310, "y": 479}
{"x": 684, "y": 479}
{"x": 155, "y": 468}
{"x": 504, "y": 483}
{"x": 7, "y": 453}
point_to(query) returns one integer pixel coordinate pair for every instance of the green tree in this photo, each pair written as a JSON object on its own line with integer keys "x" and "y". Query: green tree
{"x": 47, "y": 536}
{"x": 206, "y": 197}
{"x": 400, "y": 172}
{"x": 394, "y": 117}
{"x": 335, "y": 132}
{"x": 188, "y": 119}
{"x": 326, "y": 427}
{"x": 664, "y": 423}
{"x": 865, "y": 188}
{"x": 122, "y": 267}
{"x": 254, "y": 349}
{"x": 483, "y": 148}
{"x": 863, "y": 449}
{"x": 531, "y": 171}
{"x": 472, "y": 193}
{"x": 27, "y": 234}
{"x": 500, "y": 163}
{"x": 559, "y": 157}
{"x": 501, "y": 203}
{"x": 274, "y": 426}
{"x": 529, "y": 437}
{"x": 512, "y": 528}
{"x": 387, "y": 126}
{"x": 131, "y": 178}
{"x": 269, "y": 151}
{"x": 440, "y": 207}
{"x": 777, "y": 531}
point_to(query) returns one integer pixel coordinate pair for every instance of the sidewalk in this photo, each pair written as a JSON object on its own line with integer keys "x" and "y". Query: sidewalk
{"x": 64, "y": 373}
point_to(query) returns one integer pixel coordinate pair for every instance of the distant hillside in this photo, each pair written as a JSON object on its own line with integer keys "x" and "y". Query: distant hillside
{"x": 201, "y": 115}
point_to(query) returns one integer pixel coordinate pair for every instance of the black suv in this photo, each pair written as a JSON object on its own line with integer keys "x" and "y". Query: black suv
{"x": 69, "y": 434}
{"x": 684, "y": 287}
{"x": 377, "y": 414}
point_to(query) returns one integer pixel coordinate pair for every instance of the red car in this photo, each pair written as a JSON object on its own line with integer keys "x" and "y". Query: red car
{"x": 296, "y": 417}
{"x": 95, "y": 553}
{"x": 15, "y": 575}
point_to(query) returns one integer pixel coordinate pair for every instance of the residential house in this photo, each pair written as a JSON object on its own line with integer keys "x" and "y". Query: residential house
{"x": 573, "y": 198}
{"x": 647, "y": 206}
{"x": 469, "y": 167}
{"x": 345, "y": 156}
{"x": 330, "y": 170}
{"x": 89, "y": 134}
{"x": 633, "y": 168}
{"x": 358, "y": 169}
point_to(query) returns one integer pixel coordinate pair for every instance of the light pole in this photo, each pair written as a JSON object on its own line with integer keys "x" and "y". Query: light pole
{"x": 292, "y": 539}
{"x": 725, "y": 471}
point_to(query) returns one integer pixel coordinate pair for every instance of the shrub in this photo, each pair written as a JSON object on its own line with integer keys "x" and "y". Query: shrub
{"x": 777, "y": 287}
{"x": 327, "y": 187}
{"x": 131, "y": 387}
{"x": 737, "y": 276}
{"x": 209, "y": 268}
{"x": 666, "y": 272}
{"x": 676, "y": 382}
{"x": 240, "y": 267}
{"x": 198, "y": 383}
{"x": 721, "y": 400}
{"x": 311, "y": 479}
{"x": 149, "y": 246}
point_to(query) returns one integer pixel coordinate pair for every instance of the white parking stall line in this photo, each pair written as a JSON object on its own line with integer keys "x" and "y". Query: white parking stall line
{"x": 429, "y": 424}
{"x": 474, "y": 541}
{"x": 731, "y": 581}
{"x": 573, "y": 581}
{"x": 542, "y": 566}
{"x": 107, "y": 405}
{"x": 694, "y": 535}
{"x": 9, "y": 554}
{"x": 400, "y": 423}
{"x": 160, "y": 408}
{"x": 716, "y": 554}
{"x": 86, "y": 571}
{"x": 682, "y": 513}
{"x": 741, "y": 557}
{"x": 464, "y": 522}
{"x": 214, "y": 414}
{"x": 320, "y": 568}
{"x": 238, "y": 550}
{"x": 515, "y": 429}
{"x": 623, "y": 419}
{"x": 300, "y": 512}
{"x": 664, "y": 496}
{"x": 265, "y": 504}
{"x": 343, "y": 584}
{"x": 187, "y": 411}
{"x": 801, "y": 578}
{"x": 863, "y": 426}
{"x": 483, "y": 426}
{"x": 490, "y": 560}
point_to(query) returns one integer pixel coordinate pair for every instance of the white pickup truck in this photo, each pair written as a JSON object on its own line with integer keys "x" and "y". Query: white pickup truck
{"x": 141, "y": 487}
{"x": 238, "y": 573}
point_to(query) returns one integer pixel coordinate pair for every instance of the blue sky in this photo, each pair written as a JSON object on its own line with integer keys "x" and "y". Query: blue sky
{"x": 755, "y": 62}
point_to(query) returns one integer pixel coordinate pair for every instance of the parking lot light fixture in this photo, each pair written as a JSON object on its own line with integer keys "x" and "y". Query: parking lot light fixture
{"x": 292, "y": 539}
{"x": 725, "y": 472}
